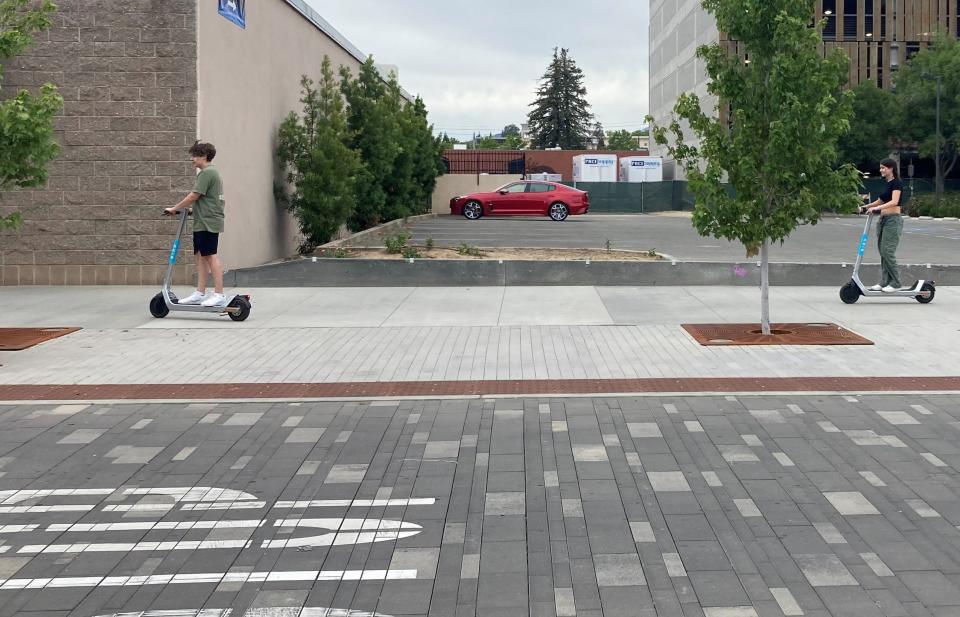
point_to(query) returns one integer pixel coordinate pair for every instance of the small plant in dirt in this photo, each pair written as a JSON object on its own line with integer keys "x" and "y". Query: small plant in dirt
{"x": 429, "y": 243}
{"x": 410, "y": 252}
{"x": 608, "y": 245}
{"x": 466, "y": 249}
{"x": 396, "y": 241}
{"x": 336, "y": 253}
{"x": 652, "y": 253}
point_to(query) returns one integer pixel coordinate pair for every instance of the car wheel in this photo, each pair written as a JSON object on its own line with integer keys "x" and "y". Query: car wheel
{"x": 472, "y": 210}
{"x": 559, "y": 211}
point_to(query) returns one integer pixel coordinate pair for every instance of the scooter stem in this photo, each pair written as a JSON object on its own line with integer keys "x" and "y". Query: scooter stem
{"x": 173, "y": 254}
{"x": 863, "y": 243}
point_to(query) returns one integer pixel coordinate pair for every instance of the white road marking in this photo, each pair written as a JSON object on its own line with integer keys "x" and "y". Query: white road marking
{"x": 210, "y": 577}
{"x": 344, "y": 531}
{"x": 265, "y": 611}
{"x": 355, "y": 503}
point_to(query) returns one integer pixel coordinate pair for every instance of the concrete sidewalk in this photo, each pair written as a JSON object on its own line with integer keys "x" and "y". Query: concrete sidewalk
{"x": 465, "y": 334}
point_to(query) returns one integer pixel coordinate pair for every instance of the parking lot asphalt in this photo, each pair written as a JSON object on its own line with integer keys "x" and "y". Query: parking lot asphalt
{"x": 833, "y": 240}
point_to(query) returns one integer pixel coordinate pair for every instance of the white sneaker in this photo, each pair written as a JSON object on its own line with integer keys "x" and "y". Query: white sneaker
{"x": 214, "y": 299}
{"x": 890, "y": 289}
{"x": 876, "y": 287}
{"x": 195, "y": 298}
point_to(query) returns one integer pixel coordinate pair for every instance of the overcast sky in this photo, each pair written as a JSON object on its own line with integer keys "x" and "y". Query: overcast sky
{"x": 476, "y": 63}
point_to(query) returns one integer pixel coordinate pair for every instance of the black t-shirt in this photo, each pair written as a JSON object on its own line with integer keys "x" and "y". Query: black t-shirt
{"x": 893, "y": 185}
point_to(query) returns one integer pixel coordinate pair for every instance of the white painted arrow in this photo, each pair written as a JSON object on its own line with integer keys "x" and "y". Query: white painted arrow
{"x": 344, "y": 531}
{"x": 339, "y": 532}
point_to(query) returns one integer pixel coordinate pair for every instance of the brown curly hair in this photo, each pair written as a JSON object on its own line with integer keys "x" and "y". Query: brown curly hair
{"x": 203, "y": 149}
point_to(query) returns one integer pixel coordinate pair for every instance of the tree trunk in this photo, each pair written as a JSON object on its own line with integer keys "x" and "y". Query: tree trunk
{"x": 765, "y": 287}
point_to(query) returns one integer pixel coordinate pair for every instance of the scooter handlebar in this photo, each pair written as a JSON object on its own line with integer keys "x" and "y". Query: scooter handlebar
{"x": 188, "y": 211}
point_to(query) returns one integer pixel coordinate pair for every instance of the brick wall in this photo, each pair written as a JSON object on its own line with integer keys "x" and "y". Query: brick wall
{"x": 127, "y": 72}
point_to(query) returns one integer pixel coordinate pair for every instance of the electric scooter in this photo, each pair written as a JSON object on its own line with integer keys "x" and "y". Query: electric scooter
{"x": 922, "y": 291}
{"x": 236, "y": 306}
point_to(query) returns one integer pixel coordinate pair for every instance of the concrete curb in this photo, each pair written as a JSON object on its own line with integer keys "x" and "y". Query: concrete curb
{"x": 373, "y": 231}
{"x": 318, "y": 272}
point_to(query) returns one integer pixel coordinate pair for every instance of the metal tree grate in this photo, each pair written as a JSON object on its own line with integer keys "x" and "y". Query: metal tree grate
{"x": 780, "y": 334}
{"x": 15, "y": 339}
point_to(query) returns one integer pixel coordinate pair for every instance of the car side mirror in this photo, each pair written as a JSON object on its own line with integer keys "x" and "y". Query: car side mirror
{"x": 502, "y": 192}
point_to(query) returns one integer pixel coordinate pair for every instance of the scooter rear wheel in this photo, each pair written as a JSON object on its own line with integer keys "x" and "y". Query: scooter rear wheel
{"x": 158, "y": 306}
{"x": 240, "y": 303}
{"x": 928, "y": 299}
{"x": 850, "y": 293}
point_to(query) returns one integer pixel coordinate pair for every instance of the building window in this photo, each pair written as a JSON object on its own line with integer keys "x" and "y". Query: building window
{"x": 879, "y": 67}
{"x": 883, "y": 19}
{"x": 913, "y": 48}
{"x": 868, "y": 19}
{"x": 850, "y": 27}
{"x": 829, "y": 8}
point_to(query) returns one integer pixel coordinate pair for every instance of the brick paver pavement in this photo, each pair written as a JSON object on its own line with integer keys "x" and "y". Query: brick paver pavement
{"x": 720, "y": 506}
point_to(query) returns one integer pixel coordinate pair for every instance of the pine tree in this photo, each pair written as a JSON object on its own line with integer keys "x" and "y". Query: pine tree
{"x": 427, "y": 156}
{"x": 319, "y": 167}
{"x": 373, "y": 135}
{"x": 561, "y": 115}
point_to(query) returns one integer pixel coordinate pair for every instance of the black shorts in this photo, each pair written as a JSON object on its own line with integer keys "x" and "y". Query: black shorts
{"x": 205, "y": 243}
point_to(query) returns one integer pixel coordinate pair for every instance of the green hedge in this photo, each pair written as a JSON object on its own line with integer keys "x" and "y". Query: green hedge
{"x": 925, "y": 205}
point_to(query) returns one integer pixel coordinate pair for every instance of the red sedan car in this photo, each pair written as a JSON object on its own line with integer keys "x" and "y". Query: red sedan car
{"x": 523, "y": 198}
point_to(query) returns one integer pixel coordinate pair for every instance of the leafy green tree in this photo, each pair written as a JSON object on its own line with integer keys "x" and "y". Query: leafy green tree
{"x": 373, "y": 134}
{"x": 621, "y": 140}
{"x": 787, "y": 109}
{"x": 487, "y": 143}
{"x": 916, "y": 90}
{"x": 511, "y": 129}
{"x": 561, "y": 115}
{"x": 512, "y": 142}
{"x": 319, "y": 167}
{"x": 446, "y": 142}
{"x": 873, "y": 125}
{"x": 27, "y": 143}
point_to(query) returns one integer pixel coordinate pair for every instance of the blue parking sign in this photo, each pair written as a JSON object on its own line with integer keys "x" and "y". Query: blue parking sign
{"x": 235, "y": 11}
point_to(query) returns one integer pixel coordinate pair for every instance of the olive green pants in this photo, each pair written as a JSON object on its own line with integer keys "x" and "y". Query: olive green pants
{"x": 888, "y": 238}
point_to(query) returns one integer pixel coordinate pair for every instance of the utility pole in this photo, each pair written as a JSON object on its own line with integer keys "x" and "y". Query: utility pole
{"x": 936, "y": 161}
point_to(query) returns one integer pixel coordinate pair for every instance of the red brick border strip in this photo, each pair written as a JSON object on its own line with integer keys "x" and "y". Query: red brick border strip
{"x": 459, "y": 388}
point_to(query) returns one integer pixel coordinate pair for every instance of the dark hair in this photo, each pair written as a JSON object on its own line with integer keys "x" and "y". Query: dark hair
{"x": 205, "y": 150}
{"x": 892, "y": 164}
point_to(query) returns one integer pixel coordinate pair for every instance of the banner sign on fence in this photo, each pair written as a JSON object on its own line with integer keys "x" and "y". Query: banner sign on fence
{"x": 235, "y": 11}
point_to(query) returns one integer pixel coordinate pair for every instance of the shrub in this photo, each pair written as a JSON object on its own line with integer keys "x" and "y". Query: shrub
{"x": 466, "y": 249}
{"x": 429, "y": 243}
{"x": 410, "y": 252}
{"x": 337, "y": 253}
{"x": 396, "y": 241}
{"x": 925, "y": 205}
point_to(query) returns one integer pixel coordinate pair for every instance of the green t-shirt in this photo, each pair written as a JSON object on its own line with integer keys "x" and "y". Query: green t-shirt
{"x": 208, "y": 210}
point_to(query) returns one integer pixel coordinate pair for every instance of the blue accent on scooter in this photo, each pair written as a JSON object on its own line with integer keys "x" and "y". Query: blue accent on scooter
{"x": 173, "y": 251}
{"x": 863, "y": 245}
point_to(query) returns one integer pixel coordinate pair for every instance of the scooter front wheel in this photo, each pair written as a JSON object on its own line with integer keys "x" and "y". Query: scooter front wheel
{"x": 927, "y": 287}
{"x": 243, "y": 305}
{"x": 158, "y": 306}
{"x": 850, "y": 293}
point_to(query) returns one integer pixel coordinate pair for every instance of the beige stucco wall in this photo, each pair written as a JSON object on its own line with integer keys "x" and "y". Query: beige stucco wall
{"x": 248, "y": 81}
{"x": 452, "y": 185}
